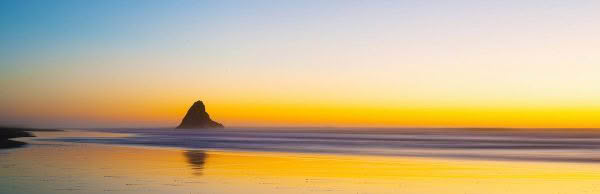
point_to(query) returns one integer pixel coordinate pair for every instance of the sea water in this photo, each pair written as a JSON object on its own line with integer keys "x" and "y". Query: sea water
{"x": 569, "y": 145}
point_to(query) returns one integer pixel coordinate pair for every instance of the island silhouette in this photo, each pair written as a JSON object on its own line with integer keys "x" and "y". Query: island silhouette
{"x": 197, "y": 118}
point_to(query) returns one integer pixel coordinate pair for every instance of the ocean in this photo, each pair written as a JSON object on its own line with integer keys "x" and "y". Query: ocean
{"x": 553, "y": 145}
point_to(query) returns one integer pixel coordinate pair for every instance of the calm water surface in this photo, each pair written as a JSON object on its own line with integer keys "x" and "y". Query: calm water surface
{"x": 67, "y": 167}
{"x": 566, "y": 145}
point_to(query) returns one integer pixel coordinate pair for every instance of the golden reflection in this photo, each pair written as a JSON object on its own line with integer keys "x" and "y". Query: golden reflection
{"x": 196, "y": 159}
{"x": 336, "y": 166}
{"x": 51, "y": 167}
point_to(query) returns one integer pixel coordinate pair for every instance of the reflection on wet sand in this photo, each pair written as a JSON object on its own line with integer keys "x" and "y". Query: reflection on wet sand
{"x": 58, "y": 167}
{"x": 7, "y": 143}
{"x": 196, "y": 159}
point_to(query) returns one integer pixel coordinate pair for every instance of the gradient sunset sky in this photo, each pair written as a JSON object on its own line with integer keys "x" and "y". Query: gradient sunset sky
{"x": 122, "y": 63}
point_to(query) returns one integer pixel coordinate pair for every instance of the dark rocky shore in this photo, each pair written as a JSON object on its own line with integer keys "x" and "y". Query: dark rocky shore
{"x": 7, "y": 133}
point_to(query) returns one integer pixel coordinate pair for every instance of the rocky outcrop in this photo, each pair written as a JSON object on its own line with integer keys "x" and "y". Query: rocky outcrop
{"x": 7, "y": 133}
{"x": 197, "y": 117}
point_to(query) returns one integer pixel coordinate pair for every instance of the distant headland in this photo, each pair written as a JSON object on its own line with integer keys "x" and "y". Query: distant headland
{"x": 197, "y": 117}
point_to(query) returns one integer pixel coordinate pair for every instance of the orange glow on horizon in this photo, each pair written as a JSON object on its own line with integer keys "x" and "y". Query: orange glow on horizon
{"x": 167, "y": 113}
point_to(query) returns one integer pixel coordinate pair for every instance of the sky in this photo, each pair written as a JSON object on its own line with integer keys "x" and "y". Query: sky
{"x": 425, "y": 63}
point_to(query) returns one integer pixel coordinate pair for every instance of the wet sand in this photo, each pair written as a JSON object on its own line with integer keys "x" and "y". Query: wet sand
{"x": 63, "y": 167}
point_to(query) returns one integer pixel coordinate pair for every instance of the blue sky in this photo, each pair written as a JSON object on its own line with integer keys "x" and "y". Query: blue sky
{"x": 483, "y": 55}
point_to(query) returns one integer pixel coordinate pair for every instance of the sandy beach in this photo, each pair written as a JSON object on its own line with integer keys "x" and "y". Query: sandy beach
{"x": 65, "y": 167}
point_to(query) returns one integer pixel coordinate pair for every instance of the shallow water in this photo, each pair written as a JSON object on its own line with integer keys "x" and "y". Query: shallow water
{"x": 566, "y": 145}
{"x": 64, "y": 167}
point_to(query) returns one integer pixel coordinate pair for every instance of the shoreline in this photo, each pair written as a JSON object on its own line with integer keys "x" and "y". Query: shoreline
{"x": 88, "y": 133}
{"x": 37, "y": 140}
{"x": 539, "y": 147}
{"x": 8, "y": 134}
{"x": 63, "y": 167}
